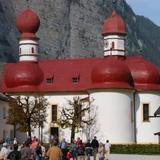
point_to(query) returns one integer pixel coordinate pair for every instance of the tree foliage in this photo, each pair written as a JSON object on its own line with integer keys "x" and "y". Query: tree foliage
{"x": 27, "y": 112}
{"x": 75, "y": 115}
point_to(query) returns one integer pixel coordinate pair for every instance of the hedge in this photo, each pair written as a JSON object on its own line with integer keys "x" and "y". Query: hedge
{"x": 135, "y": 148}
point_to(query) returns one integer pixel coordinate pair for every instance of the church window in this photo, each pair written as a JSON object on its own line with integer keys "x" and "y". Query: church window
{"x": 112, "y": 45}
{"x": 145, "y": 112}
{"x": 54, "y": 113}
{"x": 19, "y": 50}
{"x": 76, "y": 79}
{"x": 32, "y": 50}
{"x": 50, "y": 80}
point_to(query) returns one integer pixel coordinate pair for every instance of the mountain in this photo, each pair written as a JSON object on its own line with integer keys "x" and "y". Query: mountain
{"x": 72, "y": 28}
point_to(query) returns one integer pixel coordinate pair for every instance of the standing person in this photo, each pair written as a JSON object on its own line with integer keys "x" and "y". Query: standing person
{"x": 107, "y": 149}
{"x": 43, "y": 152}
{"x": 15, "y": 141}
{"x": 4, "y": 151}
{"x": 88, "y": 149}
{"x": 81, "y": 151}
{"x": 101, "y": 152}
{"x": 54, "y": 153}
{"x": 63, "y": 147}
{"x": 95, "y": 145}
{"x": 15, "y": 154}
{"x": 38, "y": 152}
{"x": 26, "y": 152}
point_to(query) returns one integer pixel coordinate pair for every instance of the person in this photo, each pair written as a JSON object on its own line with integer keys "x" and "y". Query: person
{"x": 4, "y": 151}
{"x": 88, "y": 149}
{"x": 81, "y": 150}
{"x": 73, "y": 150}
{"x": 15, "y": 141}
{"x": 107, "y": 149}
{"x": 38, "y": 152}
{"x": 15, "y": 154}
{"x": 95, "y": 145}
{"x": 43, "y": 152}
{"x": 63, "y": 147}
{"x": 101, "y": 152}
{"x": 54, "y": 153}
{"x": 26, "y": 152}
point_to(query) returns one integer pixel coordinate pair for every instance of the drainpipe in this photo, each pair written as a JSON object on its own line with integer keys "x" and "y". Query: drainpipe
{"x": 134, "y": 106}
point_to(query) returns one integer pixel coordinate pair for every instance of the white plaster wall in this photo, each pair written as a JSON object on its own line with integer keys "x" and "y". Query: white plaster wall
{"x": 4, "y": 127}
{"x": 25, "y": 47}
{"x": 60, "y": 101}
{"x": 119, "y": 44}
{"x": 114, "y": 115}
{"x": 146, "y": 130}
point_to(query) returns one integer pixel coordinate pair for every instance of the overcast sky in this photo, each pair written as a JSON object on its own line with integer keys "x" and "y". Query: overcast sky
{"x": 147, "y": 8}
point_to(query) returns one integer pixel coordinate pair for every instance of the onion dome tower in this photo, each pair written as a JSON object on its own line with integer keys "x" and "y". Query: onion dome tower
{"x": 114, "y": 33}
{"x": 113, "y": 71}
{"x": 28, "y": 23}
{"x": 26, "y": 74}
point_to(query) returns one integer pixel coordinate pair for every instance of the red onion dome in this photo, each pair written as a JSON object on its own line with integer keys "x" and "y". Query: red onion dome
{"x": 146, "y": 75}
{"x": 27, "y": 22}
{"x": 113, "y": 25}
{"x": 113, "y": 72}
{"x": 23, "y": 74}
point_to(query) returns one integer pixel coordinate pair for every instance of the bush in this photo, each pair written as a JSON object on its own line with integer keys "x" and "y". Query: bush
{"x": 135, "y": 148}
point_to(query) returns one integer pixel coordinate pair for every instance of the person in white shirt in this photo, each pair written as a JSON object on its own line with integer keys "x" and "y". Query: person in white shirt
{"x": 107, "y": 149}
{"x": 4, "y": 151}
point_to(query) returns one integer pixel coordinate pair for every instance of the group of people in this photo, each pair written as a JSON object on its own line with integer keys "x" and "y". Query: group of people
{"x": 79, "y": 151}
{"x": 32, "y": 149}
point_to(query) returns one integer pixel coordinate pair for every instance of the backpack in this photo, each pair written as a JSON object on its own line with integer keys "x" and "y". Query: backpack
{"x": 14, "y": 155}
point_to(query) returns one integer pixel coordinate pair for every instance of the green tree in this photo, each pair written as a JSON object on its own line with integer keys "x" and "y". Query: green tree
{"x": 27, "y": 112}
{"x": 75, "y": 114}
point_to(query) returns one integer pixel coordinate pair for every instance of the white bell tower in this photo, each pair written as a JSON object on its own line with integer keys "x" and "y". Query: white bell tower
{"x": 114, "y": 45}
{"x": 114, "y": 33}
{"x": 28, "y": 23}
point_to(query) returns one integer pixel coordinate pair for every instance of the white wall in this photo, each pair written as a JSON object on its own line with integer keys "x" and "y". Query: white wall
{"x": 114, "y": 115}
{"x": 60, "y": 101}
{"x": 146, "y": 130}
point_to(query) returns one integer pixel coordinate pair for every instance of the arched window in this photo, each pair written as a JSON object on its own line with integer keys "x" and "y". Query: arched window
{"x": 32, "y": 50}
{"x": 112, "y": 45}
{"x": 19, "y": 50}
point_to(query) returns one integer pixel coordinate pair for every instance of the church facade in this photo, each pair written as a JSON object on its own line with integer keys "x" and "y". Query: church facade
{"x": 126, "y": 90}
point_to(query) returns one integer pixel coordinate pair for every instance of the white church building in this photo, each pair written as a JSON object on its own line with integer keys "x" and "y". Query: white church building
{"x": 126, "y": 90}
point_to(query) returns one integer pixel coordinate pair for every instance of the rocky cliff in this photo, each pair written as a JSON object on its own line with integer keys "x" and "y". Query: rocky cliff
{"x": 72, "y": 28}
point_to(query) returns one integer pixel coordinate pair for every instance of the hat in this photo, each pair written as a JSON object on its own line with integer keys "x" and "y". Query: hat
{"x": 5, "y": 144}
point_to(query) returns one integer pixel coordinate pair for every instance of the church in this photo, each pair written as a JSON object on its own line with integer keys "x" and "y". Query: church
{"x": 126, "y": 90}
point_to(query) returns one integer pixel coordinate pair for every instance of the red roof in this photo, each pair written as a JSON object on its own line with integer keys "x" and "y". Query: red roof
{"x": 23, "y": 74}
{"x": 59, "y": 76}
{"x": 80, "y": 75}
{"x": 113, "y": 25}
{"x": 146, "y": 76}
{"x": 28, "y": 23}
{"x": 112, "y": 71}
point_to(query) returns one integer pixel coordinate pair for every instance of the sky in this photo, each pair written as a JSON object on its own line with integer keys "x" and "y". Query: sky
{"x": 147, "y": 8}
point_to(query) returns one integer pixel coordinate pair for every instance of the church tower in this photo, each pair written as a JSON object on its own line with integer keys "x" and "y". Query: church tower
{"x": 114, "y": 33}
{"x": 28, "y": 23}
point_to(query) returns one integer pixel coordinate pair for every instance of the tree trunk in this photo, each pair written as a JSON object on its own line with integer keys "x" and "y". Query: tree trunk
{"x": 72, "y": 133}
{"x": 14, "y": 131}
{"x": 29, "y": 127}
